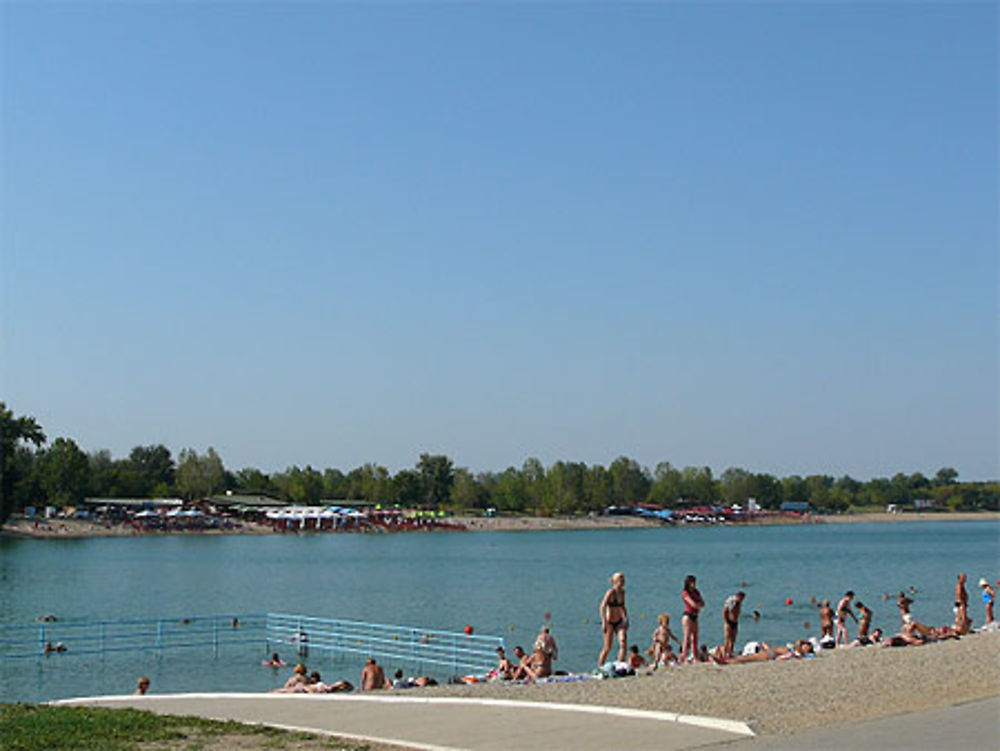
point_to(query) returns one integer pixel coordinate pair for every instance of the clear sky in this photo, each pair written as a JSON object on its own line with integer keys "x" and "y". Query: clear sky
{"x": 755, "y": 235}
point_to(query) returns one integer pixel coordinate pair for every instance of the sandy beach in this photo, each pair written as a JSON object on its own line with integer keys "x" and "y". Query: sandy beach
{"x": 74, "y": 528}
{"x": 842, "y": 686}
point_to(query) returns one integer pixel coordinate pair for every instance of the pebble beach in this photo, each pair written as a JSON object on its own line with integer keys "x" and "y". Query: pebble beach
{"x": 836, "y": 687}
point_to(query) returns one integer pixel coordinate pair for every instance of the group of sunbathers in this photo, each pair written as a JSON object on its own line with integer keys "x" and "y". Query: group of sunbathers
{"x": 529, "y": 667}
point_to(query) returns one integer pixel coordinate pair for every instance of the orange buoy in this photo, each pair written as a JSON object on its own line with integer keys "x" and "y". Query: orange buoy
{"x": 788, "y": 601}
{"x": 468, "y": 630}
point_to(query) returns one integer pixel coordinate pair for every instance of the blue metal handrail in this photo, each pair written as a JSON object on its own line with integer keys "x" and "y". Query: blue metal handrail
{"x": 459, "y": 651}
{"x": 121, "y": 635}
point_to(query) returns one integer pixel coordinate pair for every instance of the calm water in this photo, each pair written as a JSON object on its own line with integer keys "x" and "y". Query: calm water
{"x": 500, "y": 583}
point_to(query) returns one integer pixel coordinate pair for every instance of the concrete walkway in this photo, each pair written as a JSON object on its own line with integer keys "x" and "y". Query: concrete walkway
{"x": 441, "y": 724}
{"x": 965, "y": 727}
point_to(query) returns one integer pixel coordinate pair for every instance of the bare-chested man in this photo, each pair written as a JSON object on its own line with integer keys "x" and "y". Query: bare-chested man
{"x": 844, "y": 610}
{"x": 373, "y": 677}
{"x": 825, "y": 620}
{"x": 731, "y": 622}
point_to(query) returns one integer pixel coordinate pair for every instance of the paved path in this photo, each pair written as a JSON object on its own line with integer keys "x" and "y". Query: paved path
{"x": 437, "y": 724}
{"x": 966, "y": 727}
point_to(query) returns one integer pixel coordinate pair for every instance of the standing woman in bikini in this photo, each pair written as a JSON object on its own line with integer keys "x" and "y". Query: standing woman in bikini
{"x": 693, "y": 603}
{"x": 614, "y": 618}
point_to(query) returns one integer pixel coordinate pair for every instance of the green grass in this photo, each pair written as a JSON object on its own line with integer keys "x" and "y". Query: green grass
{"x": 29, "y": 727}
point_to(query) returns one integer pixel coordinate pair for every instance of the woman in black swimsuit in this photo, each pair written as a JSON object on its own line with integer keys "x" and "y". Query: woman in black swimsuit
{"x": 614, "y": 618}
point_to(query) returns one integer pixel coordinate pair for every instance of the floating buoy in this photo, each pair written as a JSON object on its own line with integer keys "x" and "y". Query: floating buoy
{"x": 806, "y": 625}
{"x": 511, "y": 627}
{"x": 788, "y": 601}
{"x": 468, "y": 630}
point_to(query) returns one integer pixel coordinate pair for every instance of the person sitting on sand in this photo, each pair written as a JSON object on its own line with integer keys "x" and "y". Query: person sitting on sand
{"x": 661, "y": 640}
{"x": 825, "y": 620}
{"x": 297, "y": 683}
{"x": 731, "y": 621}
{"x": 544, "y": 652}
{"x": 614, "y": 618}
{"x": 903, "y": 603}
{"x": 988, "y": 597}
{"x": 373, "y": 677}
{"x": 503, "y": 669}
{"x": 523, "y": 671}
{"x": 636, "y": 660}
{"x": 844, "y": 610}
{"x": 142, "y": 686}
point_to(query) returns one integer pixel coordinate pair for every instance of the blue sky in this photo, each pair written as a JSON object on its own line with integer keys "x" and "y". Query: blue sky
{"x": 757, "y": 235}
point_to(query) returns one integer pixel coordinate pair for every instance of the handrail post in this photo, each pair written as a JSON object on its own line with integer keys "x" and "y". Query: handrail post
{"x": 102, "y": 636}
{"x": 215, "y": 636}
{"x": 41, "y": 638}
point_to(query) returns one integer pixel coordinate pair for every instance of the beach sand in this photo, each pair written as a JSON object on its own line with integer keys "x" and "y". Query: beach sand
{"x": 843, "y": 686}
{"x": 71, "y": 528}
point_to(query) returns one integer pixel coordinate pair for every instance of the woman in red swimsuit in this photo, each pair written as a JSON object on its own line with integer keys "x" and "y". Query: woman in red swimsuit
{"x": 614, "y": 618}
{"x": 693, "y": 603}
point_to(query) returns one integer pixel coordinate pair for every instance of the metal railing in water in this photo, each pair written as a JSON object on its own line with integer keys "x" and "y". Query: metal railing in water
{"x": 412, "y": 645}
{"x": 459, "y": 651}
{"x": 98, "y": 637}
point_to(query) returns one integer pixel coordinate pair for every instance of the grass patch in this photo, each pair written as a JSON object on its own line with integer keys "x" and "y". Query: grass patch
{"x": 31, "y": 727}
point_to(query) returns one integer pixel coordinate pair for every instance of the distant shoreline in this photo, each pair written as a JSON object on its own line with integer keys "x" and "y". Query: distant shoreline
{"x": 22, "y": 528}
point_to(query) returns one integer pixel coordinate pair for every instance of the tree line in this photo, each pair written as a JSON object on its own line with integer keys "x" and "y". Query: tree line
{"x": 36, "y": 472}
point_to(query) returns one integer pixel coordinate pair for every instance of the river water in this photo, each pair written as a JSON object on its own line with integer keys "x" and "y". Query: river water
{"x": 501, "y": 583}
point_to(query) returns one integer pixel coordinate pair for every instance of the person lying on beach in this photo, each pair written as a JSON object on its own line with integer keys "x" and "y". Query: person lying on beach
{"x": 373, "y": 677}
{"x": 523, "y": 671}
{"x": 661, "y": 640}
{"x": 316, "y": 685}
{"x": 844, "y": 610}
{"x": 825, "y": 620}
{"x": 765, "y": 652}
{"x": 636, "y": 660}
{"x": 866, "y": 640}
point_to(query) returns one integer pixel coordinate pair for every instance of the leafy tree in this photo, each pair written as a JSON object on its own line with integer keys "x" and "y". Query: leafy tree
{"x": 597, "y": 489}
{"x": 15, "y": 432}
{"x": 251, "y": 481}
{"x": 104, "y": 472}
{"x": 466, "y": 492}
{"x": 65, "y": 472}
{"x": 152, "y": 466}
{"x": 198, "y": 476}
{"x": 666, "y": 487}
{"x": 436, "y": 477}
{"x": 946, "y": 476}
{"x": 630, "y": 482}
